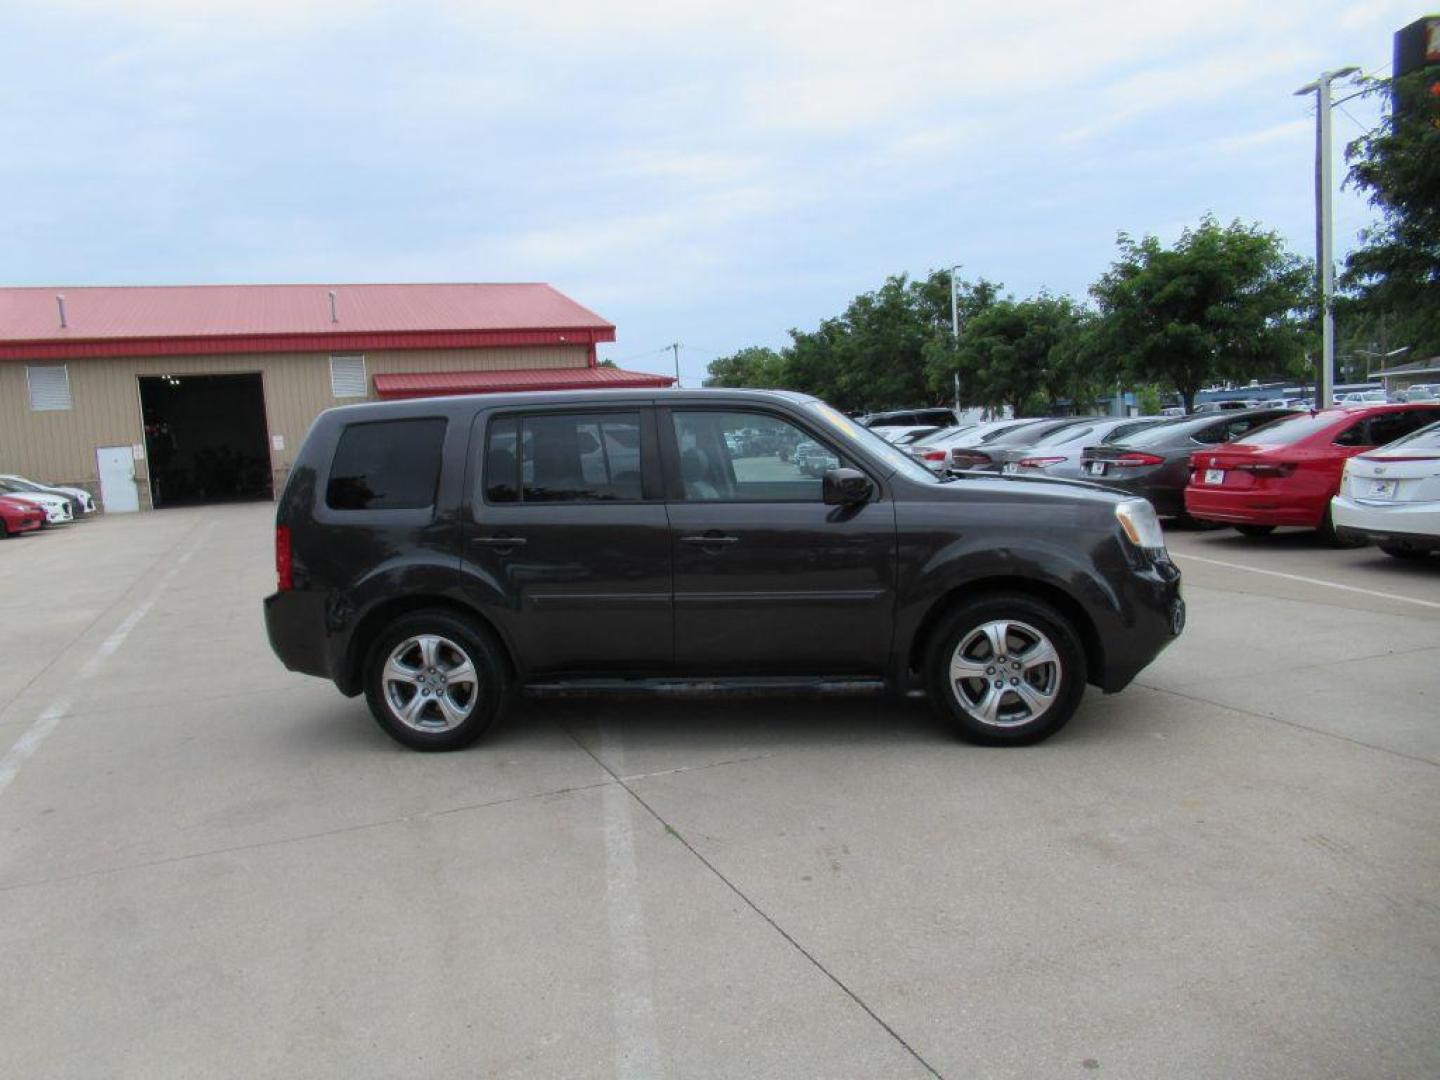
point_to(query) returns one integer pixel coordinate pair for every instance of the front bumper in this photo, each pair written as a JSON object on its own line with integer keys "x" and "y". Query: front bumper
{"x": 1153, "y": 614}
{"x": 1417, "y": 524}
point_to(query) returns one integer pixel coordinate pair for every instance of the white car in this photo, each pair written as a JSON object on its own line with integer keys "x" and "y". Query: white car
{"x": 56, "y": 507}
{"x": 1392, "y": 495}
{"x": 1058, "y": 454}
{"x": 79, "y": 496}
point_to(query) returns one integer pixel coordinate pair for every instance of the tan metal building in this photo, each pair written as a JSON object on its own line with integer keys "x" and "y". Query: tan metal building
{"x": 158, "y": 396}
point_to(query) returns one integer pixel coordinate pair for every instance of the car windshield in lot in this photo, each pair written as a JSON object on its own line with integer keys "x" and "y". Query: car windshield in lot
{"x": 874, "y": 444}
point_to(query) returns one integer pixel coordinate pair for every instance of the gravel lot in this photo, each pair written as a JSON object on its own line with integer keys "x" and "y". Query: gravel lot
{"x": 212, "y": 867}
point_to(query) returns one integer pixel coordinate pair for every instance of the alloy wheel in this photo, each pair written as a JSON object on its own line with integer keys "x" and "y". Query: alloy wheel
{"x": 1005, "y": 673}
{"x": 430, "y": 683}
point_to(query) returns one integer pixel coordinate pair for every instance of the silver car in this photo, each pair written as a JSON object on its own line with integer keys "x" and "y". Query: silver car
{"x": 1058, "y": 454}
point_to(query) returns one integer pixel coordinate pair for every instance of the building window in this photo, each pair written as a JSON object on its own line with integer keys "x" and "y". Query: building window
{"x": 347, "y": 375}
{"x": 49, "y": 387}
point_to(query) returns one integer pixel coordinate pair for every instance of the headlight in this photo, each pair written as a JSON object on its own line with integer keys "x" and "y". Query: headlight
{"x": 1137, "y": 518}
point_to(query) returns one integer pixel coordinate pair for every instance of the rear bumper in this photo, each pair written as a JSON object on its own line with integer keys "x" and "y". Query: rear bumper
{"x": 296, "y": 626}
{"x": 1416, "y": 524}
{"x": 1251, "y": 508}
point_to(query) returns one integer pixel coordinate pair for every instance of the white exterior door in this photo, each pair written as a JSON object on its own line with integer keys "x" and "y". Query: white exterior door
{"x": 117, "y": 479}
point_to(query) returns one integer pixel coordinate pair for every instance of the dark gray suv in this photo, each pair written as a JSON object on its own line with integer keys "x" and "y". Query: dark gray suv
{"x": 438, "y": 554}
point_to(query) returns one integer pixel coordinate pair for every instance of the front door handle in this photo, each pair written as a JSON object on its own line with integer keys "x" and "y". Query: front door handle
{"x": 710, "y": 539}
{"x": 499, "y": 541}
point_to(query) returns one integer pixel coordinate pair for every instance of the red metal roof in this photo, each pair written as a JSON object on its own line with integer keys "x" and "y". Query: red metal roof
{"x": 439, "y": 383}
{"x": 205, "y": 319}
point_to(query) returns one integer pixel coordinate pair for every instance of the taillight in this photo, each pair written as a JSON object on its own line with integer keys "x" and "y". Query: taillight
{"x": 1134, "y": 459}
{"x": 284, "y": 562}
{"x": 1264, "y": 468}
{"x": 969, "y": 459}
{"x": 1039, "y": 462}
{"x": 933, "y": 455}
{"x": 1388, "y": 460}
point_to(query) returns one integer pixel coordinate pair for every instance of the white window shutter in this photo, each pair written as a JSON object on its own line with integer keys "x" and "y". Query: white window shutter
{"x": 347, "y": 375}
{"x": 49, "y": 387}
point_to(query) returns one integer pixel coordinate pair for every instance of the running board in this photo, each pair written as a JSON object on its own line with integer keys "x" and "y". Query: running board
{"x": 714, "y": 687}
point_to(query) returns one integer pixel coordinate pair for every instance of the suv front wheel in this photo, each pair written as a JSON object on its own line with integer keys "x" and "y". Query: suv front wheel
{"x": 435, "y": 681}
{"x": 1008, "y": 669}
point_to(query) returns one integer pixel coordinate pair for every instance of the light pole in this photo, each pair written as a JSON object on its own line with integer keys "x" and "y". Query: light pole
{"x": 1381, "y": 356}
{"x": 1325, "y": 380}
{"x": 955, "y": 327}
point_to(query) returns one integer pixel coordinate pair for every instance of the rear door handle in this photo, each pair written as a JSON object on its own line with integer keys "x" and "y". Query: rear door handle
{"x": 710, "y": 539}
{"x": 499, "y": 541}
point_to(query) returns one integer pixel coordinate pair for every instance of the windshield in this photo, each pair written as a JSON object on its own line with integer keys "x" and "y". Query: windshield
{"x": 900, "y": 461}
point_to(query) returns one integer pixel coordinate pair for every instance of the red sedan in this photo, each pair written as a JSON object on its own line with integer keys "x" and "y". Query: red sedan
{"x": 1286, "y": 472}
{"x": 18, "y": 517}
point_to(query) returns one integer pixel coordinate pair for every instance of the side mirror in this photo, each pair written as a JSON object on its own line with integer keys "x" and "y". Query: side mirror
{"x": 846, "y": 487}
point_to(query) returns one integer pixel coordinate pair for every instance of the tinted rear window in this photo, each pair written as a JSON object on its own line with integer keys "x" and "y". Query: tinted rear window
{"x": 386, "y": 465}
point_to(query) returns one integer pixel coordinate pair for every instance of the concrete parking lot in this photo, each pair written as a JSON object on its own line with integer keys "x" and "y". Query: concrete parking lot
{"x": 212, "y": 867}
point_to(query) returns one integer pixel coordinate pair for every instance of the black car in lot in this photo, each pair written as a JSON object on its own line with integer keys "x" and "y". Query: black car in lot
{"x": 437, "y": 554}
{"x": 1155, "y": 463}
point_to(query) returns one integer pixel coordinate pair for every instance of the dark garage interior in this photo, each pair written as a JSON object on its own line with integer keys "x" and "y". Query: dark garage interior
{"x": 205, "y": 438}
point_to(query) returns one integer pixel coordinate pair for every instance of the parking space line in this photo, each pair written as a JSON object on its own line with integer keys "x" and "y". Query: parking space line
{"x": 29, "y": 742}
{"x": 1309, "y": 580}
{"x": 637, "y": 1045}
{"x": 620, "y": 784}
{"x": 24, "y": 747}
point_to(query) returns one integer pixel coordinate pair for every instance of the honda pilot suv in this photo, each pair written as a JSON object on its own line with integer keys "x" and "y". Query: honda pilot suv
{"x": 438, "y": 554}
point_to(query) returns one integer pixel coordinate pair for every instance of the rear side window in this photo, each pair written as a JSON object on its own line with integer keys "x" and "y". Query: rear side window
{"x": 1387, "y": 427}
{"x": 1427, "y": 438}
{"x": 386, "y": 465}
{"x": 577, "y": 457}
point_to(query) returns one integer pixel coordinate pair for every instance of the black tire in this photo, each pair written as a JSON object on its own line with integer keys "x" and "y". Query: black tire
{"x": 460, "y": 637}
{"x": 1331, "y": 538}
{"x": 1011, "y": 728}
{"x": 1255, "y": 530}
{"x": 1404, "y": 551}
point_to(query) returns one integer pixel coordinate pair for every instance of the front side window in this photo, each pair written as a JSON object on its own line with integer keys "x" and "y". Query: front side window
{"x": 573, "y": 457}
{"x": 386, "y": 465}
{"x": 749, "y": 457}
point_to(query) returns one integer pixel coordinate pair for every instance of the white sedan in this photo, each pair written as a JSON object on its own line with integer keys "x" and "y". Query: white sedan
{"x": 79, "y": 496}
{"x": 1392, "y": 495}
{"x": 56, "y": 507}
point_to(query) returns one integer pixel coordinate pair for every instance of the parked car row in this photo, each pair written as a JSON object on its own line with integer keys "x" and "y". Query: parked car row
{"x": 26, "y": 505}
{"x": 1355, "y": 472}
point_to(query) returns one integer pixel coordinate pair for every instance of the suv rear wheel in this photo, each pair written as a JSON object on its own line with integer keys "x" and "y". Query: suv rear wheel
{"x": 434, "y": 680}
{"x": 1008, "y": 669}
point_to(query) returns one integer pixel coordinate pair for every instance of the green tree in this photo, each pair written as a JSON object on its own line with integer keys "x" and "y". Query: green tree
{"x": 756, "y": 367}
{"x": 1396, "y": 269}
{"x": 1224, "y": 303}
{"x": 1022, "y": 354}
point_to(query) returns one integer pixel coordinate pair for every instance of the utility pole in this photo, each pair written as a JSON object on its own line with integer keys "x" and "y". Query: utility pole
{"x": 675, "y": 348}
{"x": 1324, "y": 226}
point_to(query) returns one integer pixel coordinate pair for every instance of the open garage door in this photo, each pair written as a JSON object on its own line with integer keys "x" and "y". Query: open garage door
{"x": 205, "y": 438}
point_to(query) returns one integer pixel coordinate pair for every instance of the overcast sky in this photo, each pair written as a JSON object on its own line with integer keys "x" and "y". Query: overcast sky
{"x": 709, "y": 173}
